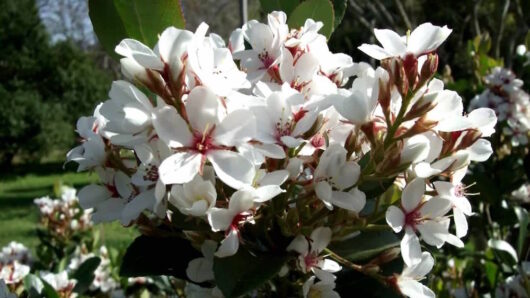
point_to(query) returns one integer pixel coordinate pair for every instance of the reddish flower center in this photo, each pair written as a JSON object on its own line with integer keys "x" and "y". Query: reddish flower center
{"x": 239, "y": 219}
{"x": 151, "y": 174}
{"x": 460, "y": 190}
{"x": 311, "y": 260}
{"x": 412, "y": 218}
{"x": 266, "y": 59}
{"x": 318, "y": 141}
{"x": 203, "y": 142}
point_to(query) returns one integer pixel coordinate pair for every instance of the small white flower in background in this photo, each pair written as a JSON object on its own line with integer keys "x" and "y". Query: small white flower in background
{"x": 324, "y": 288}
{"x": 267, "y": 185}
{"x": 196, "y": 197}
{"x": 230, "y": 220}
{"x": 333, "y": 175}
{"x": 15, "y": 252}
{"x": 426, "y": 38}
{"x": 195, "y": 291}
{"x": 408, "y": 281}
{"x": 201, "y": 269}
{"x": 14, "y": 272}
{"x": 522, "y": 193}
{"x": 425, "y": 217}
{"x": 310, "y": 249}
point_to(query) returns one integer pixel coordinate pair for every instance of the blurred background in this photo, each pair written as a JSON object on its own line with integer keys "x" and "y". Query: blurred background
{"x": 52, "y": 71}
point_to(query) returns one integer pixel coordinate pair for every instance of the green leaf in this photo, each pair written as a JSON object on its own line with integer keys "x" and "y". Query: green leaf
{"x": 318, "y": 10}
{"x": 368, "y": 244}
{"x": 48, "y": 291}
{"x": 85, "y": 274}
{"x": 286, "y": 6}
{"x": 243, "y": 272}
{"x": 149, "y": 255}
{"x": 143, "y": 20}
{"x": 503, "y": 246}
{"x": 33, "y": 285}
{"x": 339, "y": 8}
{"x": 522, "y": 216}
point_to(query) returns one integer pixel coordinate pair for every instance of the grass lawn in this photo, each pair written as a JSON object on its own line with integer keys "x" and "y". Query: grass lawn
{"x": 19, "y": 216}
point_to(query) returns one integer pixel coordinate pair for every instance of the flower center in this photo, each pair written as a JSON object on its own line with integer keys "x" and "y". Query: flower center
{"x": 266, "y": 59}
{"x": 318, "y": 141}
{"x": 203, "y": 142}
{"x": 151, "y": 174}
{"x": 311, "y": 260}
{"x": 460, "y": 190}
{"x": 413, "y": 218}
{"x": 239, "y": 219}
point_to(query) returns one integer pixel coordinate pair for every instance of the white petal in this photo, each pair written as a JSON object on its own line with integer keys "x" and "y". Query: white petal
{"x": 140, "y": 52}
{"x": 353, "y": 200}
{"x": 180, "y": 167}
{"x": 232, "y": 168}
{"x": 374, "y": 51}
{"x": 323, "y": 191}
{"x": 238, "y": 127}
{"x": 203, "y": 109}
{"x": 171, "y": 128}
{"x": 299, "y": 244}
{"x": 267, "y": 192}
{"x": 484, "y": 119}
{"x": 132, "y": 210}
{"x": 410, "y": 247}
{"x": 320, "y": 237}
{"x": 275, "y": 178}
{"x": 414, "y": 289}
{"x": 241, "y": 201}
{"x": 435, "y": 207}
{"x": 480, "y": 150}
{"x": 395, "y": 218}
{"x": 421, "y": 269}
{"x": 329, "y": 265}
{"x": 220, "y": 219}
{"x": 109, "y": 210}
{"x": 427, "y": 38}
{"x": 200, "y": 270}
{"x": 412, "y": 194}
{"x": 391, "y": 42}
{"x": 229, "y": 245}
{"x": 91, "y": 195}
{"x": 460, "y": 222}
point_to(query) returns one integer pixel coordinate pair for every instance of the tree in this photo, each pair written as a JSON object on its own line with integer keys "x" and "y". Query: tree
{"x": 44, "y": 88}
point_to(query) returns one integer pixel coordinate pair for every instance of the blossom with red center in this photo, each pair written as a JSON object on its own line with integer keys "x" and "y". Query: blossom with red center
{"x": 423, "y": 216}
{"x": 210, "y": 135}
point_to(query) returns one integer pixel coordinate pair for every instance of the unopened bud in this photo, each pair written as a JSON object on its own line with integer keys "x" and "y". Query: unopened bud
{"x": 420, "y": 126}
{"x": 469, "y": 138}
{"x": 421, "y": 106}
{"x": 387, "y": 256}
{"x": 410, "y": 66}
{"x": 428, "y": 69}
{"x": 397, "y": 74}
{"x": 369, "y": 130}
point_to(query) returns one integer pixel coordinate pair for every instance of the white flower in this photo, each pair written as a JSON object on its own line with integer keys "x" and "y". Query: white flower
{"x": 265, "y": 42}
{"x": 334, "y": 174}
{"x": 14, "y": 273}
{"x": 309, "y": 259}
{"x": 201, "y": 269}
{"x": 127, "y": 115}
{"x": 210, "y": 136}
{"x": 91, "y": 153}
{"x": 108, "y": 199}
{"x": 423, "y": 216}
{"x": 170, "y": 50}
{"x": 455, "y": 191}
{"x": 409, "y": 280}
{"x": 425, "y": 39}
{"x": 324, "y": 288}
{"x": 213, "y": 66}
{"x": 196, "y": 197}
{"x": 283, "y": 121}
{"x": 267, "y": 185}
{"x": 298, "y": 73}
{"x": 229, "y": 220}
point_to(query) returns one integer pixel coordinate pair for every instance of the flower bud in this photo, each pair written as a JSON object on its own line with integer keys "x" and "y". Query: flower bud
{"x": 410, "y": 66}
{"x": 428, "y": 69}
{"x": 397, "y": 74}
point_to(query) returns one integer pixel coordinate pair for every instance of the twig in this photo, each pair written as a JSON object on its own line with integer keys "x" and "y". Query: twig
{"x": 403, "y": 13}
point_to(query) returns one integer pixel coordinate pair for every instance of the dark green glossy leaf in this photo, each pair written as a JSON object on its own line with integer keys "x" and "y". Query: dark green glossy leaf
{"x": 286, "y": 6}
{"x": 149, "y": 255}
{"x": 85, "y": 274}
{"x": 243, "y": 272}
{"x": 318, "y": 10}
{"x": 522, "y": 217}
{"x": 339, "y": 8}
{"x": 143, "y": 20}
{"x": 367, "y": 245}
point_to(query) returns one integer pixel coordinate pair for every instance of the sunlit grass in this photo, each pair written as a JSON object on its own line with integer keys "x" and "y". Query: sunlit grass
{"x": 19, "y": 216}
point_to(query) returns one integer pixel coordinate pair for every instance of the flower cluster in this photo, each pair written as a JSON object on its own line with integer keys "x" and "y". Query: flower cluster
{"x": 275, "y": 130}
{"x": 510, "y": 102}
{"x": 103, "y": 279}
{"x": 63, "y": 217}
{"x": 15, "y": 261}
